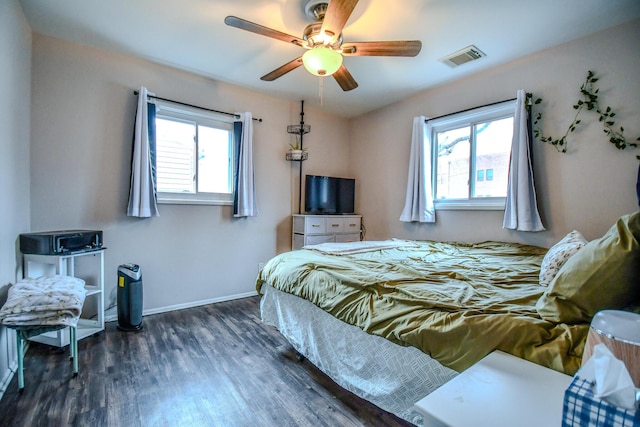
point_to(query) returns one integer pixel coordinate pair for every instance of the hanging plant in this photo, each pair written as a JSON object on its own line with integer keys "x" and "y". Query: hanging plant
{"x": 297, "y": 146}
{"x": 589, "y": 100}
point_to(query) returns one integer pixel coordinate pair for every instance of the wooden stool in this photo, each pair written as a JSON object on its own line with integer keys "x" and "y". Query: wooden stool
{"x": 35, "y": 306}
{"x": 23, "y": 333}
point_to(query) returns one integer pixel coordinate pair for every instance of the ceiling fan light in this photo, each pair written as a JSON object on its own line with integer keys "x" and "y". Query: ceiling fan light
{"x": 322, "y": 61}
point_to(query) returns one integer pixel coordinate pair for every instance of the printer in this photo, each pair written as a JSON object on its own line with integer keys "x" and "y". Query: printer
{"x": 61, "y": 242}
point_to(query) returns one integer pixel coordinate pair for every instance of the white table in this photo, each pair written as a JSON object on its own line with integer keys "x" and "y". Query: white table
{"x": 500, "y": 390}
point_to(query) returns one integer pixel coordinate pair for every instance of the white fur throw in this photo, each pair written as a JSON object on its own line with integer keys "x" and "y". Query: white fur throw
{"x": 45, "y": 301}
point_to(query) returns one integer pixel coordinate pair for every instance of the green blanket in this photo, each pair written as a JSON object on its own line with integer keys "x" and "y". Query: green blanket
{"x": 456, "y": 302}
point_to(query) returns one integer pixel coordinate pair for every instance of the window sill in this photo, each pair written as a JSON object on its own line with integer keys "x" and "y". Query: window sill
{"x": 177, "y": 200}
{"x": 466, "y": 205}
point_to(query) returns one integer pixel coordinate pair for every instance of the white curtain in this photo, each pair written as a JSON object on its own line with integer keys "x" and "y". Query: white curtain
{"x": 418, "y": 205}
{"x": 142, "y": 194}
{"x": 245, "y": 200}
{"x": 521, "y": 210}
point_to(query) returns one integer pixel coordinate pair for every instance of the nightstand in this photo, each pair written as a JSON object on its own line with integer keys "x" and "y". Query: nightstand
{"x": 499, "y": 390}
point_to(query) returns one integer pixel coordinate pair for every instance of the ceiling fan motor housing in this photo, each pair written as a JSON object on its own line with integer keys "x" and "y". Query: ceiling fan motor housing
{"x": 315, "y": 9}
{"x": 314, "y": 38}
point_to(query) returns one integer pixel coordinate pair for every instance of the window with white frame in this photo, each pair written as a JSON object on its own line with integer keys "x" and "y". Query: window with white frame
{"x": 470, "y": 157}
{"x": 194, "y": 156}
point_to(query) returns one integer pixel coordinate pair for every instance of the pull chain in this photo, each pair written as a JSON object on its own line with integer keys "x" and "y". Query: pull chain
{"x": 320, "y": 87}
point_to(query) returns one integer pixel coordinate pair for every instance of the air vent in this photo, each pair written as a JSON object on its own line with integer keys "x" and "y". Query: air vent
{"x": 468, "y": 54}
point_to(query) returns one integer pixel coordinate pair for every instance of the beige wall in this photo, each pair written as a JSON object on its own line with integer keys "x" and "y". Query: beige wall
{"x": 15, "y": 72}
{"x": 83, "y": 109}
{"x": 80, "y": 123}
{"x": 586, "y": 189}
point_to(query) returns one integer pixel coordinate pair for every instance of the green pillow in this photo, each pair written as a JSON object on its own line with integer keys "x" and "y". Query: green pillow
{"x": 604, "y": 274}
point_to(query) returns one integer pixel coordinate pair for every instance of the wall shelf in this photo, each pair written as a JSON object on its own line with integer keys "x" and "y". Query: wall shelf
{"x": 289, "y": 157}
{"x": 300, "y": 129}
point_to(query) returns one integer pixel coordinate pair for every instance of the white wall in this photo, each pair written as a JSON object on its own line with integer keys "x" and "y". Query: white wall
{"x": 82, "y": 124}
{"x": 15, "y": 87}
{"x": 586, "y": 189}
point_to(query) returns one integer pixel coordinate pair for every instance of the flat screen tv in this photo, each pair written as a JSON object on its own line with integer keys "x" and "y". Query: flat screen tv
{"x": 327, "y": 195}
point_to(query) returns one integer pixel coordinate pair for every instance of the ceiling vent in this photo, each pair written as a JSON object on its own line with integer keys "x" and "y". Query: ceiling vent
{"x": 468, "y": 54}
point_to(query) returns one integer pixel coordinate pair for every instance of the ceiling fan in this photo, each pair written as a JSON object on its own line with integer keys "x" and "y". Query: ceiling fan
{"x": 324, "y": 44}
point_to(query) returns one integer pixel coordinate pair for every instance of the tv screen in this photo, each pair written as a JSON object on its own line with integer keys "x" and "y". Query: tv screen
{"x": 345, "y": 196}
{"x": 326, "y": 195}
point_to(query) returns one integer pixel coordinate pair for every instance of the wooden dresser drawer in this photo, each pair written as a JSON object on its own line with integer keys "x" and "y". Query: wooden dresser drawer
{"x": 351, "y": 225}
{"x": 315, "y": 225}
{"x": 351, "y": 237}
{"x": 335, "y": 225}
{"x": 316, "y": 240}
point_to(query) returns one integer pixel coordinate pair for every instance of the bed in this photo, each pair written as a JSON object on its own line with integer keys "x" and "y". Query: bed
{"x": 393, "y": 320}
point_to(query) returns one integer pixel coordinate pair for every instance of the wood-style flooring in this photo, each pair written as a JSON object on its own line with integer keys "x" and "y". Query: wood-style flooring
{"x": 215, "y": 365}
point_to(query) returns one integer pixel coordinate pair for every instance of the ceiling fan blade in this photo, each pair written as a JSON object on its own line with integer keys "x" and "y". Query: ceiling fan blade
{"x": 243, "y": 24}
{"x": 336, "y": 16}
{"x": 281, "y": 71}
{"x": 392, "y": 48}
{"x": 345, "y": 79}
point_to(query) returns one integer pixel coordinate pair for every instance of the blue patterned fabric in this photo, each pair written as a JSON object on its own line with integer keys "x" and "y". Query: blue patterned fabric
{"x": 582, "y": 408}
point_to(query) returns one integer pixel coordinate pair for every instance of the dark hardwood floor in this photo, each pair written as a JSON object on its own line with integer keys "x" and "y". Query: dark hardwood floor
{"x": 215, "y": 365}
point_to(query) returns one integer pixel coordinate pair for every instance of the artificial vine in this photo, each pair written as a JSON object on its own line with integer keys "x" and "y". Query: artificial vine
{"x": 589, "y": 100}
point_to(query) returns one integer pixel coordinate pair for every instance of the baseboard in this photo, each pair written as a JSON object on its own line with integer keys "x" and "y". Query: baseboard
{"x": 9, "y": 372}
{"x": 8, "y": 376}
{"x": 114, "y": 317}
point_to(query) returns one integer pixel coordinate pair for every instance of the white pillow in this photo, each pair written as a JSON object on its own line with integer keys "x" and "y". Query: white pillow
{"x": 558, "y": 254}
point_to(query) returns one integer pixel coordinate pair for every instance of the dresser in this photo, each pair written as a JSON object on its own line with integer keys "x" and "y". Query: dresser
{"x": 314, "y": 229}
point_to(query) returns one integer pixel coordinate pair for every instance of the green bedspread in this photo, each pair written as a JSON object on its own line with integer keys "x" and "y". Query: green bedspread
{"x": 456, "y": 302}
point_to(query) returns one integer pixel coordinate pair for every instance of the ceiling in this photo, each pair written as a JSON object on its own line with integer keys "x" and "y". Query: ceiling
{"x": 191, "y": 35}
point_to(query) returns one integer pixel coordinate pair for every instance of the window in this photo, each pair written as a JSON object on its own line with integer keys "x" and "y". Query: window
{"x": 489, "y": 174}
{"x": 474, "y": 143}
{"x": 194, "y": 156}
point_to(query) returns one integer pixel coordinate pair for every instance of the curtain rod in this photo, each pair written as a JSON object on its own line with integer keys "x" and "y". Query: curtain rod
{"x": 469, "y": 109}
{"x": 135, "y": 92}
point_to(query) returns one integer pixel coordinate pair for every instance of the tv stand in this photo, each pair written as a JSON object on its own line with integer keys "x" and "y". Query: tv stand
{"x": 315, "y": 229}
